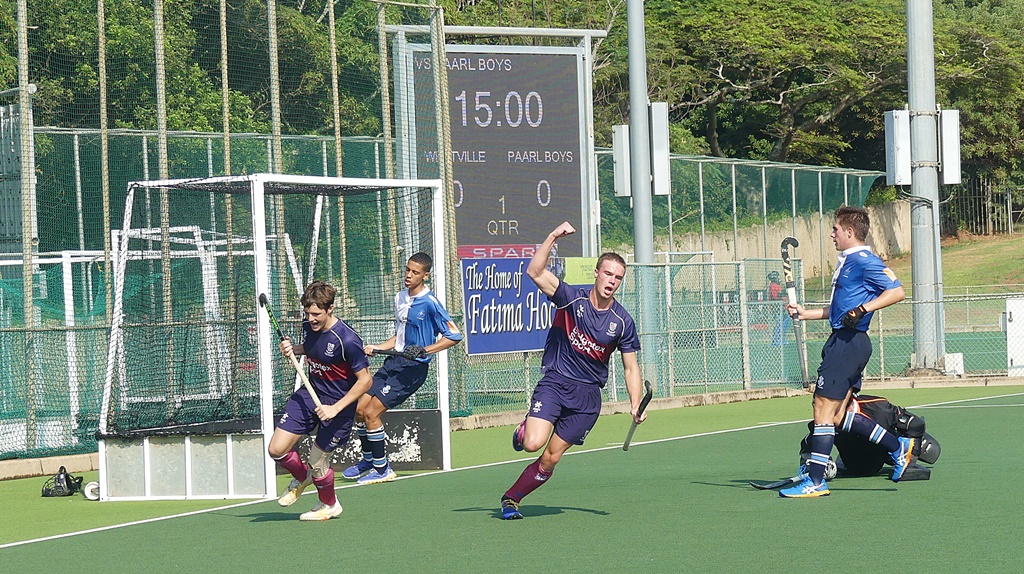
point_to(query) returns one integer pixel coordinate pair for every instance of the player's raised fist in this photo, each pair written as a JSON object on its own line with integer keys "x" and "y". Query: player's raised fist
{"x": 564, "y": 229}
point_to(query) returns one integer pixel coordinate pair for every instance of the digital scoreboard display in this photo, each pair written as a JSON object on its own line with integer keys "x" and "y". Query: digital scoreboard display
{"x": 518, "y": 145}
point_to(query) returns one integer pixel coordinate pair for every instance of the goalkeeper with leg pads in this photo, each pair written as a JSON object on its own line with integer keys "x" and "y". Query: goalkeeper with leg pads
{"x": 339, "y": 373}
{"x": 419, "y": 319}
{"x": 859, "y": 456}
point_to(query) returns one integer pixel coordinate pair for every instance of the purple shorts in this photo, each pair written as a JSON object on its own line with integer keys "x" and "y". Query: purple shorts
{"x": 300, "y": 418}
{"x": 843, "y": 358}
{"x": 572, "y": 408}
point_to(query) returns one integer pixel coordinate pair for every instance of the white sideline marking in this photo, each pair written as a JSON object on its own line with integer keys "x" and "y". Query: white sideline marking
{"x": 971, "y": 406}
{"x": 945, "y": 404}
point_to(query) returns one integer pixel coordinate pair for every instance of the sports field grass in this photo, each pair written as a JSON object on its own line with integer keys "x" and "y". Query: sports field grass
{"x": 678, "y": 501}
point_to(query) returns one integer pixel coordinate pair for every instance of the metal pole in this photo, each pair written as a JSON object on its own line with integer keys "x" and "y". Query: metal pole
{"x": 639, "y": 134}
{"x": 640, "y": 182}
{"x": 764, "y": 212}
{"x": 101, "y": 57}
{"x": 735, "y": 218}
{"x": 28, "y": 180}
{"x": 700, "y": 190}
{"x": 924, "y": 187}
{"x": 792, "y": 186}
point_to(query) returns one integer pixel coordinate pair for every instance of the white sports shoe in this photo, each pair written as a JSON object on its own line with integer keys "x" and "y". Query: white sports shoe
{"x": 322, "y": 512}
{"x": 293, "y": 491}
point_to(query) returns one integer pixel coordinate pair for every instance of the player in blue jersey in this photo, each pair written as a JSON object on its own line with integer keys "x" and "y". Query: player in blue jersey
{"x": 339, "y": 373}
{"x": 589, "y": 325}
{"x": 419, "y": 319}
{"x": 861, "y": 285}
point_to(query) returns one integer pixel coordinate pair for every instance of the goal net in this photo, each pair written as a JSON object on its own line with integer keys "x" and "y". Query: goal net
{"x": 190, "y": 351}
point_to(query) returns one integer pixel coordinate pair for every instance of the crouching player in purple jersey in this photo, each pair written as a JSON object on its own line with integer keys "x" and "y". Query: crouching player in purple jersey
{"x": 339, "y": 374}
{"x": 589, "y": 325}
{"x": 861, "y": 285}
{"x": 419, "y": 319}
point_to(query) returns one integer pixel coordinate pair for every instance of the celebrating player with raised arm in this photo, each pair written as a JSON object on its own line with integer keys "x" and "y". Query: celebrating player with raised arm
{"x": 589, "y": 325}
{"x": 419, "y": 319}
{"x": 861, "y": 285}
{"x": 338, "y": 372}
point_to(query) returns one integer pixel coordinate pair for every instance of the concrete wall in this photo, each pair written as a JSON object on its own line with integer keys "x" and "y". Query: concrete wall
{"x": 889, "y": 236}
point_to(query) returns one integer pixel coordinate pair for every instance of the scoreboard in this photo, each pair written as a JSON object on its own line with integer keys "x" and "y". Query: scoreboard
{"x": 520, "y": 119}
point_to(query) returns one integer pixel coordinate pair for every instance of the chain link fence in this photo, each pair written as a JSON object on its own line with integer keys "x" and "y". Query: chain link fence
{"x": 244, "y": 87}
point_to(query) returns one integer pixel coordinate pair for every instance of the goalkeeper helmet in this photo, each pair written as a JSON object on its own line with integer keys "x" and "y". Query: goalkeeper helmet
{"x": 929, "y": 449}
{"x": 62, "y": 484}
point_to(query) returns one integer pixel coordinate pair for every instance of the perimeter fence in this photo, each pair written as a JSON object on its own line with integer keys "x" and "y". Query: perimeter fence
{"x": 138, "y": 91}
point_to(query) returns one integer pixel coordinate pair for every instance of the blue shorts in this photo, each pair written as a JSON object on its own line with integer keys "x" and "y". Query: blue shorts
{"x": 397, "y": 379}
{"x": 843, "y": 358}
{"x": 572, "y": 408}
{"x": 300, "y": 418}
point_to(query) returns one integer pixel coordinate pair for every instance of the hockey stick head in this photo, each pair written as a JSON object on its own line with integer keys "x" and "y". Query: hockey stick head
{"x": 648, "y": 395}
{"x": 265, "y": 303}
{"x": 786, "y": 244}
{"x": 411, "y": 352}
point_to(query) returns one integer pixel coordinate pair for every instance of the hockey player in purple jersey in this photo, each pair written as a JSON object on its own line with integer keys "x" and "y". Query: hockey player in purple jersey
{"x": 339, "y": 373}
{"x": 589, "y": 326}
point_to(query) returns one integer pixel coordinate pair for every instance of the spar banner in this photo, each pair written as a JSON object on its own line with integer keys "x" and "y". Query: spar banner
{"x": 504, "y": 310}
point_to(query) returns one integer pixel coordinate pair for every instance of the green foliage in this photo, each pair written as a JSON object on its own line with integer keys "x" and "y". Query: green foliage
{"x": 8, "y": 46}
{"x": 799, "y": 81}
{"x": 881, "y": 194}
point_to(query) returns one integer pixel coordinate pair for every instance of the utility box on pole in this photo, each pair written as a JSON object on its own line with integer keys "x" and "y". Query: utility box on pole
{"x": 661, "y": 172}
{"x": 949, "y": 147}
{"x": 897, "y": 147}
{"x": 620, "y": 159}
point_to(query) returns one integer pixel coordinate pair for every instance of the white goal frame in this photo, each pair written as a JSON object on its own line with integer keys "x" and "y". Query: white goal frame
{"x": 264, "y": 334}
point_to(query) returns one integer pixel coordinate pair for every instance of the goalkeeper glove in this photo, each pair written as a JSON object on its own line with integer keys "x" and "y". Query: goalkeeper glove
{"x": 853, "y": 317}
{"x": 413, "y": 352}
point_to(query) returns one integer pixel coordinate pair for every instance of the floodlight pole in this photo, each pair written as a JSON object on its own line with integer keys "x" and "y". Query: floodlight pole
{"x": 640, "y": 184}
{"x": 639, "y": 134}
{"x": 926, "y": 257}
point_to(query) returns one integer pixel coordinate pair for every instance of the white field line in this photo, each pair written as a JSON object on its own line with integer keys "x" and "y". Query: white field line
{"x": 946, "y": 404}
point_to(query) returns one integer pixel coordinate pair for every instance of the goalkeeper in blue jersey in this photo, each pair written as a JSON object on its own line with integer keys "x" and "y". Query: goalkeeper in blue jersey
{"x": 419, "y": 319}
{"x": 861, "y": 285}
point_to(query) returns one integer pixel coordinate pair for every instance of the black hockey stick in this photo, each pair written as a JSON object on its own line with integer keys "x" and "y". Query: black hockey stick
{"x": 265, "y": 303}
{"x": 648, "y": 393}
{"x": 394, "y": 353}
{"x": 787, "y": 270}
{"x": 777, "y": 483}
